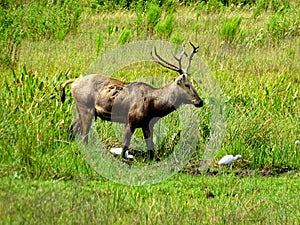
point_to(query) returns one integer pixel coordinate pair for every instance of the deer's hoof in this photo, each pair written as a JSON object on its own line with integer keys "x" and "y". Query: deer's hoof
{"x": 127, "y": 155}
{"x": 151, "y": 155}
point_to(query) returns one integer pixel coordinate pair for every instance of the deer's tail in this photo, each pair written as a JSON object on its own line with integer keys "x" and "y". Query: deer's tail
{"x": 62, "y": 92}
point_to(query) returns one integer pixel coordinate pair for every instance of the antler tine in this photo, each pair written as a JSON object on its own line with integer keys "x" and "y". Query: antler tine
{"x": 195, "y": 50}
{"x": 164, "y": 63}
{"x": 178, "y": 59}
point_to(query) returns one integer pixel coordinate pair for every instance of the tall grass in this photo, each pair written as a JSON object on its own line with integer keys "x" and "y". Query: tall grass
{"x": 35, "y": 21}
{"x": 230, "y": 28}
{"x": 258, "y": 76}
{"x": 33, "y": 128}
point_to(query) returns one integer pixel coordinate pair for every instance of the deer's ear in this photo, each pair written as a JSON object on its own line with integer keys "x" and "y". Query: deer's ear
{"x": 178, "y": 79}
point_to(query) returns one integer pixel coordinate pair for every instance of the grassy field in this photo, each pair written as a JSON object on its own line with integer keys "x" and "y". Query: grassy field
{"x": 184, "y": 199}
{"x": 254, "y": 54}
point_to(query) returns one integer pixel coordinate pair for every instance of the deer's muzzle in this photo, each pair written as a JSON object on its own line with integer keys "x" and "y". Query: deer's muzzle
{"x": 198, "y": 103}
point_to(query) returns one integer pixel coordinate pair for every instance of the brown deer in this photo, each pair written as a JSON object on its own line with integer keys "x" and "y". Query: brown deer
{"x": 136, "y": 104}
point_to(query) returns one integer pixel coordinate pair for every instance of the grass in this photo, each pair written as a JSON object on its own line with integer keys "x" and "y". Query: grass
{"x": 183, "y": 199}
{"x": 45, "y": 178}
{"x": 260, "y": 83}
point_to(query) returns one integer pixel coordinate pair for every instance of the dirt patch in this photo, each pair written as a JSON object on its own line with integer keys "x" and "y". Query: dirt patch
{"x": 238, "y": 169}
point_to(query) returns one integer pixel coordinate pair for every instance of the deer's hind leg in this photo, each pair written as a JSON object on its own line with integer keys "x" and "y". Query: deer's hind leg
{"x": 86, "y": 116}
{"x": 75, "y": 129}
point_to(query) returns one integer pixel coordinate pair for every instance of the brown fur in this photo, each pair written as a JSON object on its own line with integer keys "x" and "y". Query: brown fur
{"x": 136, "y": 104}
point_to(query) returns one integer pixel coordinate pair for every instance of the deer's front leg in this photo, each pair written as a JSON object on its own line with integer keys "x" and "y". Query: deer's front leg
{"x": 148, "y": 135}
{"x": 129, "y": 130}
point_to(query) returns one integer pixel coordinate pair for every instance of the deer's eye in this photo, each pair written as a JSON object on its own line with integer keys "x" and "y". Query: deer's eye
{"x": 187, "y": 85}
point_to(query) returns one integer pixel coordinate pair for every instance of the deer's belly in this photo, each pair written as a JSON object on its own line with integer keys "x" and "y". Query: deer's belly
{"x": 112, "y": 113}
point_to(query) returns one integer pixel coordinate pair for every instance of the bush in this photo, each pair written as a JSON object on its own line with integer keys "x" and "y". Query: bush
{"x": 211, "y": 6}
{"x": 274, "y": 5}
{"x": 137, "y": 5}
{"x": 125, "y": 36}
{"x": 35, "y": 21}
{"x": 229, "y": 29}
{"x": 12, "y": 34}
{"x": 153, "y": 17}
{"x": 164, "y": 29}
{"x": 284, "y": 24}
{"x": 177, "y": 38}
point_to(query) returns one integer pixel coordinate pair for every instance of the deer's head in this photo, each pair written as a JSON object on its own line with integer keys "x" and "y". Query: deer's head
{"x": 186, "y": 92}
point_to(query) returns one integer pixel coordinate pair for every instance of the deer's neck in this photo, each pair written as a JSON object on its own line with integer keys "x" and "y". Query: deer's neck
{"x": 169, "y": 95}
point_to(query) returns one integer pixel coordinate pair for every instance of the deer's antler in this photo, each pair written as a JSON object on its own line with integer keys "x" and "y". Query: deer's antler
{"x": 195, "y": 50}
{"x": 158, "y": 59}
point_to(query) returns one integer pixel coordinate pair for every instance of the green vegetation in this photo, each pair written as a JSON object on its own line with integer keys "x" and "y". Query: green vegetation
{"x": 164, "y": 28}
{"x": 124, "y": 37}
{"x": 184, "y": 199}
{"x": 35, "y": 21}
{"x": 153, "y": 16}
{"x": 252, "y": 48}
{"x": 229, "y": 29}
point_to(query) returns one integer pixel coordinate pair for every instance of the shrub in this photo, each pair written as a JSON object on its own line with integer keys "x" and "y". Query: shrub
{"x": 229, "y": 28}
{"x": 283, "y": 24}
{"x": 11, "y": 36}
{"x": 35, "y": 21}
{"x": 125, "y": 36}
{"x": 99, "y": 42}
{"x": 211, "y": 6}
{"x": 177, "y": 38}
{"x": 153, "y": 17}
{"x": 164, "y": 29}
{"x": 274, "y": 5}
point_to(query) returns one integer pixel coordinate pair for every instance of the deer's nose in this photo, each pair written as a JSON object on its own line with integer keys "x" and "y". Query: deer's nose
{"x": 198, "y": 103}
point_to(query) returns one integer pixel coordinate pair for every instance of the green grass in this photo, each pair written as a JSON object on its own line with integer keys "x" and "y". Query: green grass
{"x": 45, "y": 179}
{"x": 183, "y": 199}
{"x": 259, "y": 81}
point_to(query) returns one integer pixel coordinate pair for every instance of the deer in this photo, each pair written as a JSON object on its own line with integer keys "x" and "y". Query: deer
{"x": 135, "y": 104}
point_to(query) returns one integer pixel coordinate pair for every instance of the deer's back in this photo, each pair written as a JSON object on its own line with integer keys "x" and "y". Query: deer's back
{"x": 117, "y": 100}
{"x": 110, "y": 97}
